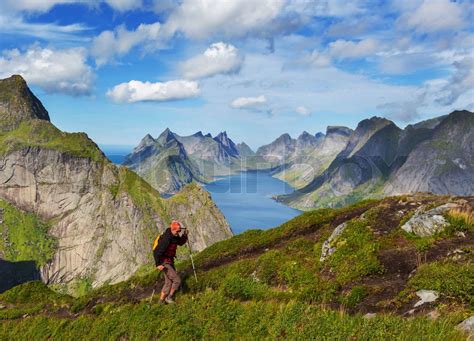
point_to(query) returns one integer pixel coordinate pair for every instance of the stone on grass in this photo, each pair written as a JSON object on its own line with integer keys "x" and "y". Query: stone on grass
{"x": 426, "y": 296}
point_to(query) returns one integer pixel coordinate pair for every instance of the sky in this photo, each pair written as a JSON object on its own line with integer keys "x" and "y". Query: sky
{"x": 120, "y": 69}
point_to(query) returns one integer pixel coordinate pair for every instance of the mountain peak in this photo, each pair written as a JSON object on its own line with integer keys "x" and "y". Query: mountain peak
{"x": 18, "y": 103}
{"x": 198, "y": 134}
{"x": 340, "y": 130}
{"x": 166, "y": 136}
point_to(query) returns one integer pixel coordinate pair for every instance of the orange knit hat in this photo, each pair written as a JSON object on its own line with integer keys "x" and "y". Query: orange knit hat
{"x": 175, "y": 224}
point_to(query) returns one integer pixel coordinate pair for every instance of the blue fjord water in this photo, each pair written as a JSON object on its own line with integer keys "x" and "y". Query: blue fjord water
{"x": 244, "y": 198}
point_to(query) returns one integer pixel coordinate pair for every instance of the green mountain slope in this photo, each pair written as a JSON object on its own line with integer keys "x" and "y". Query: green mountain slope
{"x": 274, "y": 283}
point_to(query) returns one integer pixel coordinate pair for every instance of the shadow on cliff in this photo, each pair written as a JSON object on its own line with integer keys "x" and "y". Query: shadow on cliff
{"x": 15, "y": 273}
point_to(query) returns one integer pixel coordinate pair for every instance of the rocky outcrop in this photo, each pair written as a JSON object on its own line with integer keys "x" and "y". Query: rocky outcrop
{"x": 328, "y": 247}
{"x": 426, "y": 296}
{"x": 426, "y": 223}
{"x": 18, "y": 103}
{"x": 467, "y": 326}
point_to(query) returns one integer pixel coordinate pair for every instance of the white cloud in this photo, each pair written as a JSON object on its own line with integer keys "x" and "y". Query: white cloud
{"x": 110, "y": 44}
{"x": 461, "y": 81}
{"x": 343, "y": 49}
{"x": 435, "y": 15}
{"x": 302, "y": 110}
{"x": 218, "y": 58}
{"x": 136, "y": 91}
{"x": 248, "y": 102}
{"x": 15, "y": 25}
{"x": 62, "y": 71}
{"x": 236, "y": 18}
{"x": 124, "y": 5}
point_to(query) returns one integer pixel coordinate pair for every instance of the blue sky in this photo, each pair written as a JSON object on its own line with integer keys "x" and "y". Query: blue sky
{"x": 119, "y": 69}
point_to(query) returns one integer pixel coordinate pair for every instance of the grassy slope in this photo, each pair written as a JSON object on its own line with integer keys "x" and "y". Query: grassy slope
{"x": 24, "y": 236}
{"x": 270, "y": 284}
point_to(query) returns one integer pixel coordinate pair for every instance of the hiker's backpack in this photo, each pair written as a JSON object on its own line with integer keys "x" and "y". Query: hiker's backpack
{"x": 155, "y": 244}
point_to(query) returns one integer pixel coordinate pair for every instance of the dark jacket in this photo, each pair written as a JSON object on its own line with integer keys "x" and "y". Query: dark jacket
{"x": 167, "y": 245}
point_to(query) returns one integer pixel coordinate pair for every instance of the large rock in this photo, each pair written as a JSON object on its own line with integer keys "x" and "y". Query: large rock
{"x": 426, "y": 296}
{"x": 467, "y": 326}
{"x": 428, "y": 223}
{"x": 328, "y": 247}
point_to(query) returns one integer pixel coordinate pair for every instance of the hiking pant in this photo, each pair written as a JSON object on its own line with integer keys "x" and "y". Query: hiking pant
{"x": 172, "y": 280}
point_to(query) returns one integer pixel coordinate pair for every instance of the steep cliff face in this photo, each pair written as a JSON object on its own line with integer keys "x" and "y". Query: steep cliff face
{"x": 443, "y": 163}
{"x": 103, "y": 217}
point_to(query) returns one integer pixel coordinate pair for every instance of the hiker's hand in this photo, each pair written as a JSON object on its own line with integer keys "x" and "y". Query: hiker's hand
{"x": 160, "y": 267}
{"x": 185, "y": 232}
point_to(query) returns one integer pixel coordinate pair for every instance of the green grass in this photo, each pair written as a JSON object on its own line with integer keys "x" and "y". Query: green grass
{"x": 356, "y": 252}
{"x": 452, "y": 280}
{"x": 43, "y": 134}
{"x": 256, "y": 239}
{"x": 25, "y": 237}
{"x": 32, "y": 293}
{"x": 212, "y": 315}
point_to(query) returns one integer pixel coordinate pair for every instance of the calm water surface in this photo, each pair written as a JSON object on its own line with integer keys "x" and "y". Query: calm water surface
{"x": 246, "y": 200}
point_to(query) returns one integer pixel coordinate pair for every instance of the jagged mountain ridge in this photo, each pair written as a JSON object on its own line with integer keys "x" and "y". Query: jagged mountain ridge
{"x": 381, "y": 159}
{"x": 103, "y": 217}
{"x": 197, "y": 157}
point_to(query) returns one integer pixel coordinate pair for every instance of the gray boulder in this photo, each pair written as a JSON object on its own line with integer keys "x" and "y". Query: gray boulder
{"x": 467, "y": 326}
{"x": 427, "y": 223}
{"x": 328, "y": 247}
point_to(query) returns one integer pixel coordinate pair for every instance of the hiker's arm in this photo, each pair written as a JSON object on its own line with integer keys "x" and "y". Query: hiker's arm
{"x": 161, "y": 248}
{"x": 184, "y": 238}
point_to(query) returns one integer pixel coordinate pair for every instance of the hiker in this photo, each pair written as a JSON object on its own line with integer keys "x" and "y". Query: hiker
{"x": 164, "y": 259}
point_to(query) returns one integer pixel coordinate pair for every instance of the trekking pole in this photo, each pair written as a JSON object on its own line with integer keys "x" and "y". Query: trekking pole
{"x": 192, "y": 259}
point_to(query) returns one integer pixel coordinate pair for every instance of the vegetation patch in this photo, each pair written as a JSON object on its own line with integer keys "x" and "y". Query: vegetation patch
{"x": 43, "y": 134}
{"x": 356, "y": 252}
{"x": 451, "y": 279}
{"x": 24, "y": 236}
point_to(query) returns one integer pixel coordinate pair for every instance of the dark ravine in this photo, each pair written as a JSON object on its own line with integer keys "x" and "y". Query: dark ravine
{"x": 103, "y": 217}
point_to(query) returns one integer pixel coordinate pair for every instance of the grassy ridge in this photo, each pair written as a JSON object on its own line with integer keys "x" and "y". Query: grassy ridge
{"x": 41, "y": 133}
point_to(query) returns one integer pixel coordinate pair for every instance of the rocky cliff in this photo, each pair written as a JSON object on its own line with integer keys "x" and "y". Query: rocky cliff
{"x": 103, "y": 217}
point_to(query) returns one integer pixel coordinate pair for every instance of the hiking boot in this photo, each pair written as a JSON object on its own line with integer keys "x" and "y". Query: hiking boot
{"x": 169, "y": 300}
{"x": 161, "y": 302}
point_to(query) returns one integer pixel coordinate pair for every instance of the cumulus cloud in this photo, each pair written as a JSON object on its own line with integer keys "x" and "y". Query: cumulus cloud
{"x": 55, "y": 71}
{"x": 302, "y": 110}
{"x": 110, "y": 44}
{"x": 344, "y": 49}
{"x": 136, "y": 91}
{"x": 236, "y": 18}
{"x": 218, "y": 58}
{"x": 435, "y": 15}
{"x": 248, "y": 102}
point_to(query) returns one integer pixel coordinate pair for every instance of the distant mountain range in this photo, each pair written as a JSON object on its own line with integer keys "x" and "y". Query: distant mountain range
{"x": 381, "y": 159}
{"x": 332, "y": 169}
